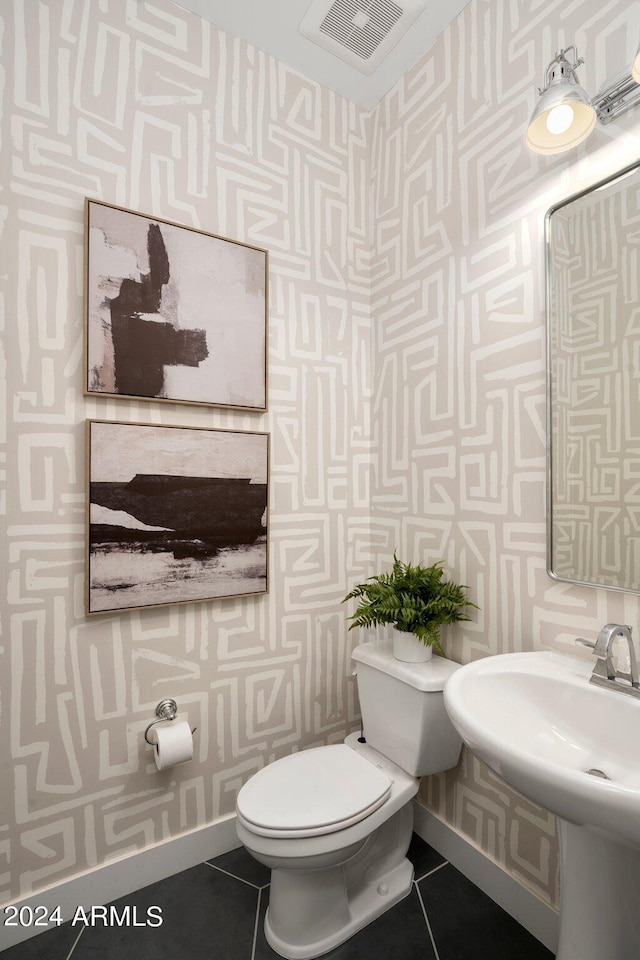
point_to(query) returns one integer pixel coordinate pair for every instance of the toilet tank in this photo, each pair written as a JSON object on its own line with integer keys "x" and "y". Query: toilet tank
{"x": 403, "y": 712}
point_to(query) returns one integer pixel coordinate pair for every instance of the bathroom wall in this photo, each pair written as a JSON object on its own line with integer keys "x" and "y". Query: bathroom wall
{"x": 459, "y": 375}
{"x": 144, "y": 105}
{"x": 425, "y": 217}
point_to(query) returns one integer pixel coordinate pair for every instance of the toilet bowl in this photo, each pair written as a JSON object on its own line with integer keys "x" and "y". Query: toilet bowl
{"x": 334, "y": 823}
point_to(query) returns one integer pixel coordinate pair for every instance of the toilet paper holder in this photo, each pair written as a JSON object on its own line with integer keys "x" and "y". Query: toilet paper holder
{"x": 166, "y": 710}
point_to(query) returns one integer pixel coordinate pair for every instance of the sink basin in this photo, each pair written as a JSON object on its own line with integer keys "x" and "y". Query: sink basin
{"x": 573, "y": 748}
{"x": 538, "y": 723}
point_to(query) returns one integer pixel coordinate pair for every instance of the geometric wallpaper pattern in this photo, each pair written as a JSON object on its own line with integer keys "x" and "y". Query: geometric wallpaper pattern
{"x": 149, "y": 107}
{"x": 458, "y": 316}
{"x": 406, "y": 398}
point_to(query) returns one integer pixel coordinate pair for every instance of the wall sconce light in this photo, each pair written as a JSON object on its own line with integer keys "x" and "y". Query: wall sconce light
{"x": 565, "y": 115}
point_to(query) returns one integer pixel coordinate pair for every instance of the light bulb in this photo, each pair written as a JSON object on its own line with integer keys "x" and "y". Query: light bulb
{"x": 560, "y": 118}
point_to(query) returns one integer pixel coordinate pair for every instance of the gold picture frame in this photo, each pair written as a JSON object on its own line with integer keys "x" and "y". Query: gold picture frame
{"x": 174, "y": 515}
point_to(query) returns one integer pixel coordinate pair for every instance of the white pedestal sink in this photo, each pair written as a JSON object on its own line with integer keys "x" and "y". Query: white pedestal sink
{"x": 573, "y": 748}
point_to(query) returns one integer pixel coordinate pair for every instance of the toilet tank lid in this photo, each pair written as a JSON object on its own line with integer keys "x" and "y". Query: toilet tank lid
{"x": 430, "y": 676}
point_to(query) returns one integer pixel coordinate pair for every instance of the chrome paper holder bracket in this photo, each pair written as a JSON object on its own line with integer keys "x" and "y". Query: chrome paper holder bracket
{"x": 166, "y": 710}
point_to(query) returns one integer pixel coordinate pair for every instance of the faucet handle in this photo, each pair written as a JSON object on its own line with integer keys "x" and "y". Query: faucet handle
{"x": 604, "y": 663}
{"x": 585, "y": 643}
{"x": 603, "y": 650}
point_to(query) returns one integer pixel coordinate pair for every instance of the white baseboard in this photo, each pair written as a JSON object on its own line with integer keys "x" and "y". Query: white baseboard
{"x": 118, "y": 878}
{"x": 536, "y": 916}
{"x": 128, "y": 874}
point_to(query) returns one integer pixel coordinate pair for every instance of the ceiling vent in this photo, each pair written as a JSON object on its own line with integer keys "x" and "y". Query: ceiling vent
{"x": 360, "y": 32}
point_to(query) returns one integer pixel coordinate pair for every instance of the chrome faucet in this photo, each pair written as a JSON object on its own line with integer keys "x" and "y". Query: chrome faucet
{"x": 605, "y": 674}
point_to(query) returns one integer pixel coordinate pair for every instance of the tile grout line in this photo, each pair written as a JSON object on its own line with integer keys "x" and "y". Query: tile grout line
{"x": 255, "y": 925}
{"x": 75, "y": 943}
{"x": 254, "y": 886}
{"x": 426, "y": 918}
{"x": 431, "y": 872}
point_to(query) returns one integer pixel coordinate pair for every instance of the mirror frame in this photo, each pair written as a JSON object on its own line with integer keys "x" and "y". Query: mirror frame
{"x": 618, "y": 175}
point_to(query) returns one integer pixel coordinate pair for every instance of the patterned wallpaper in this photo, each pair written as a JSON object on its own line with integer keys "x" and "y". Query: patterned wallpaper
{"x": 149, "y": 107}
{"x": 459, "y": 328}
{"x": 406, "y": 397}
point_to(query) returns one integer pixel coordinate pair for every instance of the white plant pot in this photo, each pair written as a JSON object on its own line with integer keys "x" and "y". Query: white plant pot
{"x": 407, "y": 647}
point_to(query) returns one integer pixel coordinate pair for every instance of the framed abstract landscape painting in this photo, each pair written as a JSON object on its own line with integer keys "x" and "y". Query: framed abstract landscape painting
{"x": 172, "y": 313}
{"x": 175, "y": 515}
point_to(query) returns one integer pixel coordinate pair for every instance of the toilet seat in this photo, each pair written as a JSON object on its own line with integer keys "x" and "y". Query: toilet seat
{"x": 314, "y": 792}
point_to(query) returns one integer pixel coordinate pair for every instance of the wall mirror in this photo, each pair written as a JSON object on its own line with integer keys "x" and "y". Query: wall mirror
{"x": 593, "y": 370}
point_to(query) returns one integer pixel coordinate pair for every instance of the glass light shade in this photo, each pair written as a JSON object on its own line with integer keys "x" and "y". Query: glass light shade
{"x": 551, "y": 130}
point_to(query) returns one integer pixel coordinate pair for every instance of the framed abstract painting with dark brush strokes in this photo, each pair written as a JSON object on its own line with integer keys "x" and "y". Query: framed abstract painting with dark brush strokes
{"x": 172, "y": 313}
{"x": 175, "y": 515}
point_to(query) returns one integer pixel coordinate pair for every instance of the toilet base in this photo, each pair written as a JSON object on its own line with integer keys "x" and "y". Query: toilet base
{"x": 325, "y": 888}
{"x": 363, "y": 903}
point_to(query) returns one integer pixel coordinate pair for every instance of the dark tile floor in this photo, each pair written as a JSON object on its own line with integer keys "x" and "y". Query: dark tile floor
{"x": 215, "y": 911}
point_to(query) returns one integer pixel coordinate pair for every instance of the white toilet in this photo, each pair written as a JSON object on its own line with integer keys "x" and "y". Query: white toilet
{"x": 334, "y": 823}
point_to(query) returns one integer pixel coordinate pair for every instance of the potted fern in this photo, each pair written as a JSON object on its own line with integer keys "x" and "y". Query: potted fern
{"x": 416, "y": 600}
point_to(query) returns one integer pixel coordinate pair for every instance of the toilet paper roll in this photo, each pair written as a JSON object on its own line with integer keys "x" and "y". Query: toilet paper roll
{"x": 174, "y": 744}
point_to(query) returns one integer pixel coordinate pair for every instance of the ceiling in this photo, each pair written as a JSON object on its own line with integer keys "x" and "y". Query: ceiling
{"x": 272, "y": 26}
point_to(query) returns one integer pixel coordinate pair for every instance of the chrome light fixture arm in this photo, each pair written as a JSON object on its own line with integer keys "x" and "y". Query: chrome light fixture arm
{"x": 616, "y": 97}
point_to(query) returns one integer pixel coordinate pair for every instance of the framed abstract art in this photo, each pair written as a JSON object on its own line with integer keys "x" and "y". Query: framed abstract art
{"x": 175, "y": 515}
{"x": 172, "y": 313}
